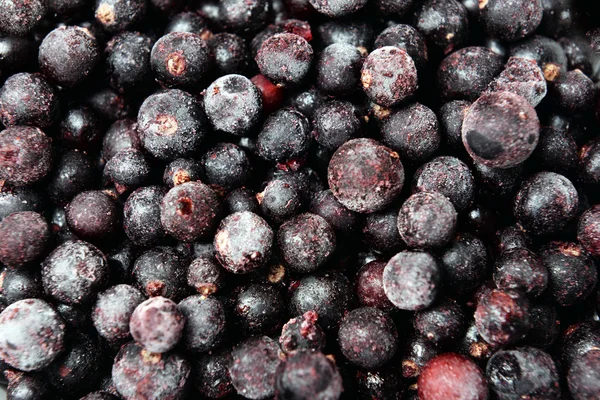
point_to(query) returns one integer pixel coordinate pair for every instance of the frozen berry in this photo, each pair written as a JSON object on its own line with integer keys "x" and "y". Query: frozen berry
{"x": 226, "y": 166}
{"x": 205, "y": 322}
{"x": 573, "y": 92}
{"x": 230, "y": 52}
{"x": 279, "y": 201}
{"x": 182, "y": 170}
{"x": 258, "y": 308}
{"x": 441, "y": 323}
{"x": 93, "y": 215}
{"x": 339, "y": 217}
{"x": 19, "y": 17}
{"x": 521, "y": 269}
{"x": 548, "y": 54}
{"x": 25, "y": 155}
{"x": 121, "y": 135}
{"x": 285, "y": 58}
{"x": 335, "y": 122}
{"x": 452, "y": 376}
{"x": 141, "y": 216}
{"x": 112, "y": 312}
{"x": 510, "y": 21}
{"x": 407, "y": 38}
{"x": 157, "y": 324}
{"x": 25, "y": 237}
{"x": 161, "y": 272}
{"x": 583, "y": 376}
{"x": 285, "y": 137}
{"x": 302, "y": 333}
{"x": 128, "y": 62}
{"x": 119, "y": 15}
{"x": 502, "y": 316}
{"x": 211, "y": 374}
{"x": 243, "y": 16}
{"x": 523, "y": 77}
{"x": 28, "y": 99}
{"x": 338, "y": 69}
{"x": 445, "y": 24}
{"x": 205, "y": 275}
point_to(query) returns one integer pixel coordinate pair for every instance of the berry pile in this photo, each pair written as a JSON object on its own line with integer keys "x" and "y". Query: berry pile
{"x": 299, "y": 199}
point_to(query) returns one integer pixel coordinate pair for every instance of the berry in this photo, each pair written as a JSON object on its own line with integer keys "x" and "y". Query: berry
{"x": 254, "y": 367}
{"x": 452, "y": 376}
{"x": 93, "y": 215}
{"x": 243, "y": 16}
{"x": 500, "y": 130}
{"x": 272, "y": 94}
{"x": 413, "y": 131}
{"x": 187, "y": 21}
{"x": 556, "y": 151}
{"x": 164, "y": 375}
{"x": 302, "y": 333}
{"x": 365, "y": 176}
{"x": 73, "y": 174}
{"x": 243, "y": 242}
{"x": 24, "y": 386}
{"x": 182, "y": 170}
{"x": 355, "y": 32}
{"x": 588, "y": 232}
{"x": 21, "y": 17}
{"x": 426, "y": 220}
{"x": 466, "y": 73}
{"x": 285, "y": 137}
{"x": 578, "y": 340}
{"x": 285, "y": 58}
{"x": 28, "y": 99}
{"x": 81, "y": 128}
{"x": 206, "y": 322}
{"x": 338, "y": 69}
{"x": 25, "y": 155}
{"x": 573, "y": 92}
{"x": 206, "y": 275}
{"x": 211, "y": 375}
{"x": 157, "y": 324}
{"x": 190, "y": 211}
{"x": 389, "y": 76}
{"x": 407, "y": 38}
{"x": 171, "y": 124}
{"x": 233, "y": 104}
{"x": 521, "y": 76}
{"x": 25, "y": 237}
{"x": 119, "y": 15}
{"x": 464, "y": 264}
{"x": 128, "y": 61}
{"x": 572, "y": 272}
{"x": 127, "y": 170}
{"x": 339, "y": 217}
{"x": 121, "y": 135}
{"x": 141, "y": 216}
{"x": 226, "y": 166}
{"x": 380, "y": 232}
{"x": 20, "y": 284}
{"x": 510, "y": 21}
{"x": 308, "y": 375}
{"x": 258, "y": 308}
{"x": 113, "y": 310}
{"x": 583, "y": 377}
{"x": 411, "y": 280}
{"x": 545, "y": 326}
{"x": 368, "y": 337}
{"x": 502, "y": 316}
{"x": 181, "y": 59}
{"x": 68, "y": 55}
{"x": 230, "y": 52}
{"x": 31, "y": 335}
{"x": 242, "y": 199}
{"x": 545, "y": 203}
{"x": 523, "y": 372}
{"x": 306, "y": 242}
{"x": 337, "y": 8}
{"x": 548, "y": 54}
{"x": 441, "y": 323}
{"x": 336, "y": 122}
{"x": 418, "y": 352}
{"x": 161, "y": 272}
{"x": 369, "y": 286}
{"x": 445, "y": 24}
{"x": 279, "y": 201}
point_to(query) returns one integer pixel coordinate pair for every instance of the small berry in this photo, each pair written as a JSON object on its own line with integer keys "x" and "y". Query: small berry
{"x": 112, "y": 312}
{"x": 205, "y": 322}
{"x": 285, "y": 58}
{"x": 25, "y": 238}
{"x": 452, "y": 376}
{"x": 25, "y": 155}
{"x": 502, "y": 316}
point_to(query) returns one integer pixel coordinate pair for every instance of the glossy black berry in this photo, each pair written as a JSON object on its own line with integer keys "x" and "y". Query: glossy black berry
{"x": 556, "y": 151}
{"x": 302, "y": 333}
{"x": 112, "y": 311}
{"x": 161, "y": 272}
{"x": 285, "y": 58}
{"x": 128, "y": 62}
{"x": 577, "y": 340}
{"x": 418, "y": 351}
{"x": 233, "y": 104}
{"x": 109, "y": 104}
{"x": 211, "y": 374}
{"x": 464, "y": 264}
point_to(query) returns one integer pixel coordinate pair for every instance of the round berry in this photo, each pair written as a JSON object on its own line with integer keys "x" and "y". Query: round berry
{"x": 285, "y": 58}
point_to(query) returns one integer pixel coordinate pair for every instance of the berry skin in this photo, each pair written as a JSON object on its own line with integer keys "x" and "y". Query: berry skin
{"x": 338, "y": 69}
{"x": 25, "y": 155}
{"x": 521, "y": 76}
{"x": 182, "y": 170}
{"x": 407, "y": 38}
{"x": 389, "y": 76}
{"x": 28, "y": 99}
{"x": 127, "y": 170}
{"x": 206, "y": 322}
{"x": 445, "y": 24}
{"x": 16, "y": 199}
{"x": 453, "y": 377}
{"x": 308, "y": 375}
{"x": 427, "y": 220}
{"x": 119, "y": 15}
{"x": 279, "y": 201}
{"x": 75, "y": 272}
{"x": 500, "y": 130}
{"x": 295, "y": 26}
{"x": 556, "y": 151}
{"x": 572, "y": 272}
{"x": 161, "y": 272}
{"x": 206, "y": 275}
{"x": 112, "y": 312}
{"x": 190, "y": 211}
{"x": 121, "y": 135}
{"x": 181, "y": 59}
{"x": 171, "y": 124}
{"x": 164, "y": 375}
{"x": 380, "y": 232}
{"x": 583, "y": 376}
{"x": 128, "y": 61}
{"x": 521, "y": 269}
{"x": 285, "y": 58}
{"x": 211, "y": 375}
{"x": 411, "y": 280}
{"x": 25, "y": 237}
{"x": 448, "y": 176}
{"x": 302, "y": 333}
{"x": 502, "y": 316}
{"x": 413, "y": 131}
{"x": 328, "y": 295}
{"x": 20, "y": 17}
{"x": 157, "y": 324}
{"x": 337, "y": 8}
{"x": 523, "y": 372}
{"x": 93, "y": 215}
{"x": 258, "y": 308}
{"x": 355, "y": 32}
{"x": 187, "y": 21}
{"x": 369, "y": 286}
{"x": 510, "y": 21}
{"x": 230, "y": 52}
{"x": 24, "y": 386}
{"x": 335, "y": 122}
{"x": 466, "y": 73}
{"x": 365, "y": 176}
{"x": 31, "y": 335}
{"x": 545, "y": 203}
{"x": 368, "y": 337}
{"x": 441, "y": 323}
{"x": 68, "y": 55}
{"x": 243, "y": 242}
{"x": 254, "y": 367}
{"x": 109, "y": 104}
{"x": 141, "y": 216}
{"x": 226, "y": 166}
{"x": 285, "y": 137}
{"x": 339, "y": 217}
{"x": 573, "y": 92}
{"x": 589, "y": 160}
{"x": 306, "y": 242}
{"x": 545, "y": 326}
{"x": 233, "y": 104}
{"x": 588, "y": 232}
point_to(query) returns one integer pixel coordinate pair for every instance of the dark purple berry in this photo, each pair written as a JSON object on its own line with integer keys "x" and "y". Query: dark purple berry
{"x": 27, "y": 386}
{"x": 25, "y": 155}
{"x": 242, "y": 199}
{"x": 161, "y": 272}
{"x": 93, "y": 215}
{"x": 336, "y": 122}
{"x": 285, "y": 58}
{"x": 500, "y": 130}
{"x": 583, "y": 376}
{"x": 81, "y": 128}
{"x": 226, "y": 166}
{"x": 206, "y": 322}
{"x": 339, "y": 217}
{"x": 588, "y": 232}
{"x": 127, "y": 170}
{"x": 405, "y": 37}
{"x": 188, "y": 21}
{"x": 380, "y": 232}
{"x": 521, "y": 76}
{"x": 258, "y": 308}
{"x": 510, "y": 21}
{"x": 243, "y": 16}
{"x": 573, "y": 92}
{"x": 337, "y": 8}
{"x": 157, "y": 324}
{"x": 369, "y": 286}
{"x": 28, "y": 99}
{"x": 464, "y": 264}
{"x": 452, "y": 376}
{"x": 441, "y": 323}
{"x": 548, "y": 54}
{"x": 230, "y": 52}
{"x": 545, "y": 326}
{"x": 521, "y": 269}
{"x": 112, "y": 312}
{"x": 121, "y": 135}
{"x": 556, "y": 151}
{"x": 411, "y": 280}
{"x": 109, "y": 104}
{"x": 119, "y": 15}
{"x": 285, "y": 137}
{"x": 302, "y": 333}
{"x": 31, "y": 335}
{"x": 182, "y": 170}
{"x": 211, "y": 374}
{"x": 445, "y": 24}
{"x": 502, "y": 316}
{"x": 141, "y": 216}
{"x": 279, "y": 201}
{"x": 418, "y": 351}
{"x": 19, "y": 17}
{"x": 20, "y": 284}
{"x": 243, "y": 242}
{"x": 206, "y": 276}
{"x": 25, "y": 238}
{"x": 128, "y": 62}
{"x": 355, "y": 32}
{"x": 338, "y": 69}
